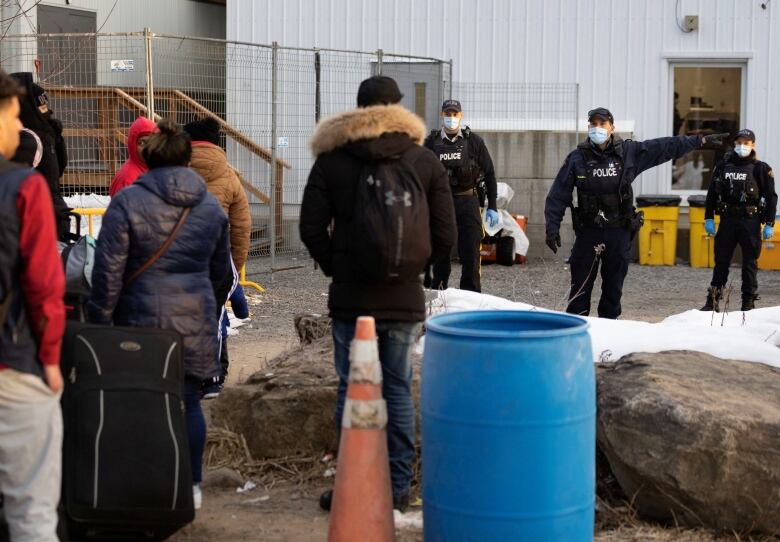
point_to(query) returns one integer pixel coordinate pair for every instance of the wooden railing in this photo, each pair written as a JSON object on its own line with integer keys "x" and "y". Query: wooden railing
{"x": 110, "y": 136}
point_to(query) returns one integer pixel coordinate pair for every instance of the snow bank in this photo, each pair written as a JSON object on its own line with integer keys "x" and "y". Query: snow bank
{"x": 750, "y": 336}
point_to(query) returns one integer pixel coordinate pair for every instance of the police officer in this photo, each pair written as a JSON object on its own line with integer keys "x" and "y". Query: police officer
{"x": 601, "y": 169}
{"x": 742, "y": 192}
{"x": 467, "y": 160}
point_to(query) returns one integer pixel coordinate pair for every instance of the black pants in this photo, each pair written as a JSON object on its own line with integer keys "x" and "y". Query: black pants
{"x": 584, "y": 264}
{"x": 745, "y": 232}
{"x": 470, "y": 234}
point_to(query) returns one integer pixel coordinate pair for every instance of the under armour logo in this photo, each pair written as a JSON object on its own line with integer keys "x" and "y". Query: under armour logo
{"x": 371, "y": 181}
{"x": 391, "y": 199}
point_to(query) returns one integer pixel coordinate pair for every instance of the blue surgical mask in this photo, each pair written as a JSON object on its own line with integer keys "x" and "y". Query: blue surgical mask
{"x": 743, "y": 150}
{"x": 451, "y": 123}
{"x": 598, "y": 135}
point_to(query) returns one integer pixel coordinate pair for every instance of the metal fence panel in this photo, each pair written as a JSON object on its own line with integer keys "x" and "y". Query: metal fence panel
{"x": 96, "y": 87}
{"x": 519, "y": 107}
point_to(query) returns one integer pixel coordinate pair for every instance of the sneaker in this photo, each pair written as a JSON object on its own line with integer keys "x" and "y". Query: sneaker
{"x": 401, "y": 502}
{"x": 326, "y": 499}
{"x": 197, "y": 496}
{"x": 211, "y": 388}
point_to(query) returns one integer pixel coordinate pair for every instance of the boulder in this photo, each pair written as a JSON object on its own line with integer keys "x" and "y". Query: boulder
{"x": 694, "y": 439}
{"x": 287, "y": 408}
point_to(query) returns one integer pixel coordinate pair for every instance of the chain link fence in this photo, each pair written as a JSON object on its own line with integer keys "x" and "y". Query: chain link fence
{"x": 267, "y": 100}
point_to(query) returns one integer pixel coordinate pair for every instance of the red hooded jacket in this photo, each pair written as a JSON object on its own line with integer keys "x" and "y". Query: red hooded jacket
{"x": 134, "y": 167}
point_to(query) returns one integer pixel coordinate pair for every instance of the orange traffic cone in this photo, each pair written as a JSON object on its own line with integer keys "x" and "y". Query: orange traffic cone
{"x": 362, "y": 508}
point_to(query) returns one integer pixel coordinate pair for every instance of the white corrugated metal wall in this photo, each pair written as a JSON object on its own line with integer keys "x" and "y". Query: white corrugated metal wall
{"x": 618, "y": 51}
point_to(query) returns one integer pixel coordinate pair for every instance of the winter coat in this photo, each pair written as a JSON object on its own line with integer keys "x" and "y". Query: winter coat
{"x": 343, "y": 144}
{"x": 184, "y": 288}
{"x": 134, "y": 166}
{"x": 210, "y": 162}
{"x": 54, "y": 158}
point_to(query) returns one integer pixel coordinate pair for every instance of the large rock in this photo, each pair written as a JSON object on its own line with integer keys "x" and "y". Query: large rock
{"x": 694, "y": 439}
{"x": 286, "y": 409}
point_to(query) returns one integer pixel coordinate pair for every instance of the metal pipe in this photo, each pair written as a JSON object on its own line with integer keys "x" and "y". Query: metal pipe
{"x": 379, "y": 55}
{"x": 317, "y": 87}
{"x": 272, "y": 229}
{"x": 149, "y": 73}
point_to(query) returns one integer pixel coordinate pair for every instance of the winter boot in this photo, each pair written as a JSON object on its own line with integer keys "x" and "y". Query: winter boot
{"x": 749, "y": 302}
{"x": 713, "y": 299}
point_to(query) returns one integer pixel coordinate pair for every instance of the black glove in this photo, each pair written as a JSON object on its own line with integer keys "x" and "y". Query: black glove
{"x": 715, "y": 139}
{"x": 553, "y": 241}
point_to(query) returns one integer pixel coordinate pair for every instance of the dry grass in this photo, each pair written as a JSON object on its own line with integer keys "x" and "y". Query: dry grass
{"x": 224, "y": 448}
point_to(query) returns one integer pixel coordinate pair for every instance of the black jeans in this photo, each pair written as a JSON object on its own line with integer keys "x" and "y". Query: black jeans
{"x": 745, "y": 232}
{"x": 584, "y": 264}
{"x": 469, "y": 220}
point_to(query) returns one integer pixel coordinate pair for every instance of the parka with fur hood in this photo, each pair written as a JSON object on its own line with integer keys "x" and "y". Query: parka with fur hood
{"x": 342, "y": 145}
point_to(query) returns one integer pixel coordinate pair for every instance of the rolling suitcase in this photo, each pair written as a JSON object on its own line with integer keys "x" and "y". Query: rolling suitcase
{"x": 126, "y": 465}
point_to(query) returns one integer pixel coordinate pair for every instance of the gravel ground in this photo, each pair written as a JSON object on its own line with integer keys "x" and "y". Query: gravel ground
{"x": 650, "y": 293}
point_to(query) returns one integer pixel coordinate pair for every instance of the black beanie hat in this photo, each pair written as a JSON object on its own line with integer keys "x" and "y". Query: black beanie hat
{"x": 377, "y": 90}
{"x": 205, "y": 129}
{"x": 39, "y": 95}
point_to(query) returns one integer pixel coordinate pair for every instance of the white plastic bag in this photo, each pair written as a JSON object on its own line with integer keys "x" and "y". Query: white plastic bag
{"x": 504, "y": 195}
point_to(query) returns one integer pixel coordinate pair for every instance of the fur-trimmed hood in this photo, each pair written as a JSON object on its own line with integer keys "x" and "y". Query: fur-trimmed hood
{"x": 366, "y": 123}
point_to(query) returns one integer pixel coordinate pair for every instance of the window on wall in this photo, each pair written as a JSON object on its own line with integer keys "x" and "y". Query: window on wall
{"x": 707, "y": 100}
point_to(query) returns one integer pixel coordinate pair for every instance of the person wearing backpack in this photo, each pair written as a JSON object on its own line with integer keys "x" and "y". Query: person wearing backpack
{"x": 32, "y": 321}
{"x": 190, "y": 277}
{"x": 390, "y": 204}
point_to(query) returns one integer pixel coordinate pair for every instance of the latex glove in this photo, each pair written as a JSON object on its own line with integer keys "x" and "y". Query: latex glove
{"x": 715, "y": 139}
{"x": 769, "y": 231}
{"x": 709, "y": 226}
{"x": 492, "y": 218}
{"x": 553, "y": 241}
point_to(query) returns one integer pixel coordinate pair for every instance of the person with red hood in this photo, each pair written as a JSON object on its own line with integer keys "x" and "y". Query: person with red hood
{"x": 135, "y": 166}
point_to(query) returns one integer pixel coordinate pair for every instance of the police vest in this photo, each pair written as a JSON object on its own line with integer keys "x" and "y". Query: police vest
{"x": 18, "y": 348}
{"x": 455, "y": 156}
{"x": 737, "y": 185}
{"x": 598, "y": 187}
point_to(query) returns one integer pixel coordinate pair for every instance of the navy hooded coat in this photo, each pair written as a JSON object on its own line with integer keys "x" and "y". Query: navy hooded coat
{"x": 184, "y": 288}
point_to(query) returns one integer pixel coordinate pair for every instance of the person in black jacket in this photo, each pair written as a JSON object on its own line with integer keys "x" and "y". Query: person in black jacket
{"x": 185, "y": 289}
{"x": 742, "y": 192}
{"x": 602, "y": 169}
{"x": 468, "y": 161}
{"x": 378, "y": 130}
{"x": 37, "y": 115}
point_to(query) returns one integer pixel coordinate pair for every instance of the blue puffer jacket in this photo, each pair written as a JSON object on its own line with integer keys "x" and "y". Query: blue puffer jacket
{"x": 180, "y": 291}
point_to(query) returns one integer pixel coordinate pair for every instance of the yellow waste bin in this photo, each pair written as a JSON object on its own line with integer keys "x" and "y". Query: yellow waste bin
{"x": 658, "y": 236}
{"x": 770, "y": 250}
{"x": 702, "y": 244}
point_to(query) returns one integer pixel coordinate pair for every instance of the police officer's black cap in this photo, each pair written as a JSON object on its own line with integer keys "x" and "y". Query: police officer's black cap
{"x": 451, "y": 105}
{"x": 378, "y": 90}
{"x": 746, "y": 134}
{"x": 602, "y": 112}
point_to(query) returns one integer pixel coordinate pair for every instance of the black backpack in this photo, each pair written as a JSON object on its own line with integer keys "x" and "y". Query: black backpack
{"x": 390, "y": 236}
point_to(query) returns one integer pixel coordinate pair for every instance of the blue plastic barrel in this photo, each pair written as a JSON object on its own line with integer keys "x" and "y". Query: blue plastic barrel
{"x": 508, "y": 428}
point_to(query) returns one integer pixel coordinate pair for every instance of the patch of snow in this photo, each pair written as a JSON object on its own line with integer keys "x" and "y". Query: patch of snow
{"x": 747, "y": 336}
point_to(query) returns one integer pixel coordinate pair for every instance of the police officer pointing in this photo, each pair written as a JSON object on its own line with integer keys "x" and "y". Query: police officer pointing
{"x": 464, "y": 155}
{"x": 601, "y": 169}
{"x": 742, "y": 192}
